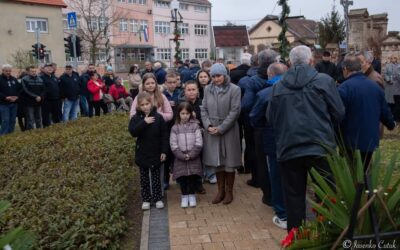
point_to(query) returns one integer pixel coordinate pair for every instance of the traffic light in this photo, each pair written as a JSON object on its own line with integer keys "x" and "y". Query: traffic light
{"x": 68, "y": 45}
{"x": 41, "y": 51}
{"x": 78, "y": 46}
{"x": 35, "y": 50}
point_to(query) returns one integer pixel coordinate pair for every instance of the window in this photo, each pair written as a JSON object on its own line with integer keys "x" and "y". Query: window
{"x": 131, "y": 1}
{"x": 162, "y": 27}
{"x": 33, "y": 23}
{"x": 93, "y": 24}
{"x": 143, "y": 24}
{"x": 161, "y": 4}
{"x": 200, "y": 29}
{"x": 183, "y": 28}
{"x": 121, "y": 1}
{"x": 123, "y": 24}
{"x": 164, "y": 54}
{"x": 183, "y": 6}
{"x": 198, "y": 8}
{"x": 142, "y": 2}
{"x": 102, "y": 22}
{"x": 185, "y": 54}
{"x": 134, "y": 25}
{"x": 101, "y": 55}
{"x": 200, "y": 53}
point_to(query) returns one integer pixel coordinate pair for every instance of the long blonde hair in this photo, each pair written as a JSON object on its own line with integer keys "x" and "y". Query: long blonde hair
{"x": 158, "y": 98}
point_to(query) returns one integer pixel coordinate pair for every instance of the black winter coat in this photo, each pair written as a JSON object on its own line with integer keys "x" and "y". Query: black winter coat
{"x": 52, "y": 87}
{"x": 152, "y": 139}
{"x": 70, "y": 86}
{"x": 8, "y": 87}
{"x": 328, "y": 68}
{"x": 238, "y": 73}
{"x": 31, "y": 88}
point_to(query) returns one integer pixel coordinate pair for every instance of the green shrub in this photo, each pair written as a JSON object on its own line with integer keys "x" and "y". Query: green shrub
{"x": 68, "y": 183}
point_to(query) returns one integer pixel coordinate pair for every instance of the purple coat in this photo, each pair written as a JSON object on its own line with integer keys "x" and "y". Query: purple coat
{"x": 186, "y": 138}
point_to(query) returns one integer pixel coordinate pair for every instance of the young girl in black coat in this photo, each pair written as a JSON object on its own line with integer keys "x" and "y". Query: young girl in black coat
{"x": 151, "y": 147}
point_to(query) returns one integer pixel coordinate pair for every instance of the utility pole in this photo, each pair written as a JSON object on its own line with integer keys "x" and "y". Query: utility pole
{"x": 346, "y": 4}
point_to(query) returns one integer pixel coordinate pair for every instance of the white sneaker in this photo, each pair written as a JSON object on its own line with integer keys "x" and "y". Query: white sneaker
{"x": 184, "y": 201}
{"x": 145, "y": 205}
{"x": 159, "y": 204}
{"x": 212, "y": 180}
{"x": 279, "y": 222}
{"x": 192, "y": 200}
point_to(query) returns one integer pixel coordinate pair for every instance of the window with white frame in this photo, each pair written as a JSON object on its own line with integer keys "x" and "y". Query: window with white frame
{"x": 183, "y": 6}
{"x": 93, "y": 23}
{"x": 134, "y": 26}
{"x": 164, "y": 54}
{"x": 200, "y": 53}
{"x": 142, "y": 2}
{"x": 32, "y": 23}
{"x": 101, "y": 55}
{"x": 123, "y": 24}
{"x": 199, "y": 8}
{"x": 161, "y": 4}
{"x": 121, "y": 1}
{"x": 184, "y": 54}
{"x": 102, "y": 22}
{"x": 162, "y": 27}
{"x": 143, "y": 24}
{"x": 183, "y": 28}
{"x": 131, "y": 1}
{"x": 200, "y": 29}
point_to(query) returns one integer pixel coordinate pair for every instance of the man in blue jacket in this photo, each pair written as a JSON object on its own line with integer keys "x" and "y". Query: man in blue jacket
{"x": 257, "y": 119}
{"x": 303, "y": 108}
{"x": 255, "y": 84}
{"x": 190, "y": 73}
{"x": 366, "y": 107}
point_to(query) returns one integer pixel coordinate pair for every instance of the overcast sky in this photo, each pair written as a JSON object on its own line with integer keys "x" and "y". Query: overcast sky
{"x": 249, "y": 12}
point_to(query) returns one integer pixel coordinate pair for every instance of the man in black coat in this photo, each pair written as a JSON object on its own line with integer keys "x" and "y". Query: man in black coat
{"x": 32, "y": 94}
{"x": 240, "y": 71}
{"x": 8, "y": 100}
{"x": 326, "y": 66}
{"x": 51, "y": 105}
{"x": 69, "y": 88}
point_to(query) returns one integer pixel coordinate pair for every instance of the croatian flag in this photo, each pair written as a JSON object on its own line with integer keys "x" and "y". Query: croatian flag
{"x": 146, "y": 34}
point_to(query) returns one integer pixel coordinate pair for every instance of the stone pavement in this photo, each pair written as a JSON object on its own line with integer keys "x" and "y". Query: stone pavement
{"x": 246, "y": 223}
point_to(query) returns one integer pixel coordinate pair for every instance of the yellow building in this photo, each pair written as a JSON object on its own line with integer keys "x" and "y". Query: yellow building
{"x": 19, "y": 19}
{"x": 300, "y": 31}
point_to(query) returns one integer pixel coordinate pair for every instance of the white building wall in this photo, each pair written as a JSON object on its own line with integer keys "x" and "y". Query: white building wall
{"x": 191, "y": 41}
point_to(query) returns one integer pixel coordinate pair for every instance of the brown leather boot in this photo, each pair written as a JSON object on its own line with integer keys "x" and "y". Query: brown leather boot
{"x": 229, "y": 180}
{"x": 221, "y": 187}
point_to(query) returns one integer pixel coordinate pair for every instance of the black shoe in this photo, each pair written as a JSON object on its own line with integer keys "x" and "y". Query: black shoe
{"x": 241, "y": 170}
{"x": 267, "y": 201}
{"x": 252, "y": 183}
{"x": 201, "y": 189}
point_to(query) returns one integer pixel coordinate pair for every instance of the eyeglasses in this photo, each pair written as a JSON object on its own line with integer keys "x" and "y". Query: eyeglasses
{"x": 217, "y": 75}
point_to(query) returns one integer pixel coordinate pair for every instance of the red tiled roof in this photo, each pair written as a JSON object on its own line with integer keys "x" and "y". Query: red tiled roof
{"x": 58, "y": 3}
{"x": 231, "y": 36}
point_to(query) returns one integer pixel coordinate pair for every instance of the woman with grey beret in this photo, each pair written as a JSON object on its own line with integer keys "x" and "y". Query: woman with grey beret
{"x": 219, "y": 112}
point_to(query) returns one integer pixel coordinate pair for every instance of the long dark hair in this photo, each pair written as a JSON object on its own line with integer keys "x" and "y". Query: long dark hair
{"x": 132, "y": 69}
{"x": 198, "y": 76}
{"x": 184, "y": 106}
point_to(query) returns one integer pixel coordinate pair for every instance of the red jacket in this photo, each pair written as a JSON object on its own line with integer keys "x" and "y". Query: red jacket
{"x": 97, "y": 91}
{"x": 118, "y": 92}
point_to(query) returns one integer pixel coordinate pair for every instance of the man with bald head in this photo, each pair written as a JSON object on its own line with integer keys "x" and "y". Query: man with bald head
{"x": 257, "y": 119}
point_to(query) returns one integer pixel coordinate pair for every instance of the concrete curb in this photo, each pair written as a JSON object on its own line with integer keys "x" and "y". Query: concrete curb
{"x": 144, "y": 239}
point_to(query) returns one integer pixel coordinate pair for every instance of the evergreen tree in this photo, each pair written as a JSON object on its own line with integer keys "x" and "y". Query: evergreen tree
{"x": 284, "y": 43}
{"x": 331, "y": 28}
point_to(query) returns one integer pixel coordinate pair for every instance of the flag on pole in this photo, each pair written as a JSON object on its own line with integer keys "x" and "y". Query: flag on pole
{"x": 146, "y": 34}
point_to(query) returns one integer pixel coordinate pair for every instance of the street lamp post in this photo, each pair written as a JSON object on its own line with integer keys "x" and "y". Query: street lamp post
{"x": 177, "y": 34}
{"x": 346, "y": 4}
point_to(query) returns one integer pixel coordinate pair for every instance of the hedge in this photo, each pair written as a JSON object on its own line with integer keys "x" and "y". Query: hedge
{"x": 68, "y": 183}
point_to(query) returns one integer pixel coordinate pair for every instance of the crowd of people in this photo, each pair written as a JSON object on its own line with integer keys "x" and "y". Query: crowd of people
{"x": 196, "y": 121}
{"x": 289, "y": 116}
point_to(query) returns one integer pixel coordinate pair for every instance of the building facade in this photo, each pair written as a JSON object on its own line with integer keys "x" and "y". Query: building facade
{"x": 365, "y": 29}
{"x": 266, "y": 32}
{"x": 20, "y": 18}
{"x": 230, "y": 42}
{"x": 195, "y": 30}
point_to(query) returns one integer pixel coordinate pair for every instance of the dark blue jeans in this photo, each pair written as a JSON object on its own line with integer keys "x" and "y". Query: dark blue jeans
{"x": 277, "y": 199}
{"x": 8, "y": 114}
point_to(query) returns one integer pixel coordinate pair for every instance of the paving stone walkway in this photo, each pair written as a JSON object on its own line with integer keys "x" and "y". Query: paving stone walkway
{"x": 246, "y": 223}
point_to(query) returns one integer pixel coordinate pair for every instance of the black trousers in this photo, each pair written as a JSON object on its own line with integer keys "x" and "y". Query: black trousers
{"x": 262, "y": 173}
{"x": 150, "y": 177}
{"x": 188, "y": 184}
{"x": 51, "y": 108}
{"x": 396, "y": 108}
{"x": 249, "y": 151}
{"x": 99, "y": 104}
{"x": 294, "y": 181}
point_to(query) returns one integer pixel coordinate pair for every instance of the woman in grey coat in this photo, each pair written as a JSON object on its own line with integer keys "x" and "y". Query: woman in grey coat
{"x": 219, "y": 112}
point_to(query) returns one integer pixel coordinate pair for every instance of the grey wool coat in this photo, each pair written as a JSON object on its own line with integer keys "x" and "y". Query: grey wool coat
{"x": 221, "y": 109}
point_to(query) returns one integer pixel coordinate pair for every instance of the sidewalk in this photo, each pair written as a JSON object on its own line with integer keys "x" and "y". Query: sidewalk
{"x": 246, "y": 223}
